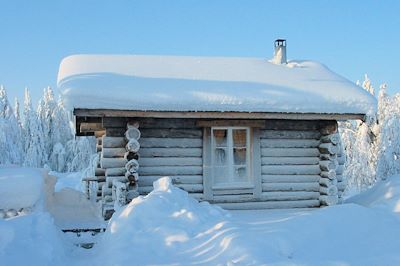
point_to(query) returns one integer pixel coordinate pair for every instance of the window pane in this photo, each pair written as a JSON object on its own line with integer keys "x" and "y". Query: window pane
{"x": 220, "y": 174}
{"x": 220, "y": 156}
{"x": 220, "y": 136}
{"x": 240, "y": 174}
{"x": 239, "y": 156}
{"x": 239, "y": 137}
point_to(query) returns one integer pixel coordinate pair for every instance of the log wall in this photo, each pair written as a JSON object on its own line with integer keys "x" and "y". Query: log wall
{"x": 171, "y": 147}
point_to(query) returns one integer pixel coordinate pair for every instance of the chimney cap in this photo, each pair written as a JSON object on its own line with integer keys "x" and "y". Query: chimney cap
{"x": 280, "y": 42}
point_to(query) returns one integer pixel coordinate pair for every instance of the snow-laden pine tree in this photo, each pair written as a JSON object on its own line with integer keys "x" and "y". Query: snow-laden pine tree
{"x": 35, "y": 153}
{"x": 79, "y": 154}
{"x": 10, "y": 134}
{"x": 45, "y": 115}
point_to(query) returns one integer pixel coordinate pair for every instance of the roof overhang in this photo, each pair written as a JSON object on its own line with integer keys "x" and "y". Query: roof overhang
{"x": 215, "y": 115}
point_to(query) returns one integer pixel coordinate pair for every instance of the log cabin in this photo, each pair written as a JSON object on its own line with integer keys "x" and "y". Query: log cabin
{"x": 243, "y": 133}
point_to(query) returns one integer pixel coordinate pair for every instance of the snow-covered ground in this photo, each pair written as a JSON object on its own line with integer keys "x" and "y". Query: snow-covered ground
{"x": 169, "y": 228}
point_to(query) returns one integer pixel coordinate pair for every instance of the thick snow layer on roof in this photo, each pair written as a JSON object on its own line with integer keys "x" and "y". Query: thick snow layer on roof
{"x": 180, "y": 83}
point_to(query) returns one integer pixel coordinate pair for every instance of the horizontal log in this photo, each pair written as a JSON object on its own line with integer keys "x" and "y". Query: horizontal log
{"x": 327, "y": 156}
{"x": 340, "y": 178}
{"x": 180, "y": 179}
{"x": 114, "y": 122}
{"x": 110, "y": 179}
{"x": 101, "y": 178}
{"x": 289, "y": 160}
{"x": 113, "y": 142}
{"x": 268, "y": 196}
{"x": 99, "y": 148}
{"x": 331, "y": 174}
{"x": 312, "y": 186}
{"x": 290, "y": 169}
{"x": 270, "y": 205}
{"x": 330, "y": 190}
{"x": 332, "y": 138}
{"x": 293, "y": 134}
{"x": 172, "y": 133}
{"x": 170, "y": 143}
{"x": 289, "y": 143}
{"x": 191, "y": 188}
{"x": 133, "y": 146}
{"x": 115, "y": 131}
{"x": 159, "y": 123}
{"x": 328, "y": 200}
{"x": 290, "y": 178}
{"x": 328, "y": 148}
{"x": 171, "y": 161}
{"x": 132, "y": 177}
{"x": 297, "y": 125}
{"x": 99, "y": 172}
{"x": 328, "y": 165}
{"x": 326, "y": 182}
{"x": 113, "y": 152}
{"x": 131, "y": 155}
{"x": 289, "y": 152}
{"x": 99, "y": 134}
{"x": 90, "y": 127}
{"x": 171, "y": 170}
{"x": 170, "y": 152}
{"x": 231, "y": 123}
{"x": 112, "y": 162}
{"x": 132, "y": 133}
{"x": 120, "y": 171}
{"x": 132, "y": 123}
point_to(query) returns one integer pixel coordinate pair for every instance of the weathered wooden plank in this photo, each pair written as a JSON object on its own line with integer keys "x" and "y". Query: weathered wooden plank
{"x": 289, "y": 143}
{"x": 170, "y": 143}
{"x": 290, "y": 169}
{"x": 290, "y": 178}
{"x": 170, "y": 152}
{"x": 170, "y": 170}
{"x": 269, "y": 196}
{"x": 289, "y": 152}
{"x": 214, "y": 115}
{"x": 312, "y": 186}
{"x": 108, "y": 122}
{"x": 191, "y": 188}
{"x": 119, "y": 171}
{"x": 292, "y": 134}
{"x": 289, "y": 160}
{"x": 270, "y": 205}
{"x": 171, "y": 133}
{"x": 90, "y": 127}
{"x": 159, "y": 123}
{"x": 112, "y": 162}
{"x": 231, "y": 123}
{"x": 113, "y": 142}
{"x": 180, "y": 179}
{"x": 115, "y": 131}
{"x": 113, "y": 152}
{"x": 171, "y": 161}
{"x": 296, "y": 125}
{"x": 256, "y": 162}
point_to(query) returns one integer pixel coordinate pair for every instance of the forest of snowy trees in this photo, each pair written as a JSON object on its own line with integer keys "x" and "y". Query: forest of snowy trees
{"x": 43, "y": 137}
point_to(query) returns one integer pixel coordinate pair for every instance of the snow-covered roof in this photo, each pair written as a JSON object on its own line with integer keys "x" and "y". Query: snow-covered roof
{"x": 183, "y": 83}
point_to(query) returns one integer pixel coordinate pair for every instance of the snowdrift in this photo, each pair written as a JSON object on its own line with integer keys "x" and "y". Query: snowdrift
{"x": 167, "y": 227}
{"x": 384, "y": 195}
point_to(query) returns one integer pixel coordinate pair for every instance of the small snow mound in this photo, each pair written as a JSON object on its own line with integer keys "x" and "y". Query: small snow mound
{"x": 154, "y": 228}
{"x": 384, "y": 195}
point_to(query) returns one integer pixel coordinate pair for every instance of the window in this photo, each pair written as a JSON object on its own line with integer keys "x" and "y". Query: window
{"x": 230, "y": 156}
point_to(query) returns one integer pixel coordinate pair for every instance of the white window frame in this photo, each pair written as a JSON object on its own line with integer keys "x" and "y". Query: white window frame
{"x": 231, "y": 184}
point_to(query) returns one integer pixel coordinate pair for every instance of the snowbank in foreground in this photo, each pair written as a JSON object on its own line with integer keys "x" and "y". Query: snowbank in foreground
{"x": 384, "y": 195}
{"x": 31, "y": 240}
{"x": 168, "y": 227}
{"x": 20, "y": 187}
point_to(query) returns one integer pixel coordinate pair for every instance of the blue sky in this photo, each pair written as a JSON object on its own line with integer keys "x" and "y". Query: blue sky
{"x": 350, "y": 37}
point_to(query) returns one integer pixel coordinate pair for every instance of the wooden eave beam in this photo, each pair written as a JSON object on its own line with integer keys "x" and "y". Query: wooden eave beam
{"x": 214, "y": 115}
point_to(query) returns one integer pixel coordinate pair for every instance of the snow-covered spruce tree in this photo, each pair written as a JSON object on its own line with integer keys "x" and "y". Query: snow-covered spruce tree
{"x": 360, "y": 145}
{"x": 35, "y": 153}
{"x": 79, "y": 154}
{"x": 10, "y": 133}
